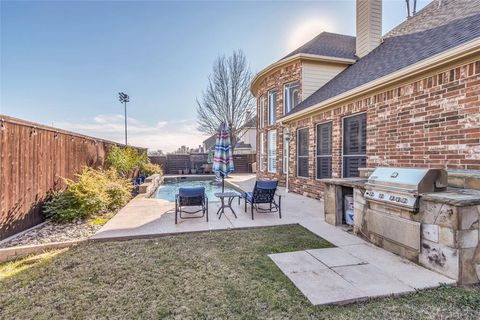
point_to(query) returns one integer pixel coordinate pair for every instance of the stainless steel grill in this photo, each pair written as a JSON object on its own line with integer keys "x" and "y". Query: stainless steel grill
{"x": 403, "y": 186}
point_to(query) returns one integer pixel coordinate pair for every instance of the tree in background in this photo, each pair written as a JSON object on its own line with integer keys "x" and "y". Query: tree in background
{"x": 227, "y": 97}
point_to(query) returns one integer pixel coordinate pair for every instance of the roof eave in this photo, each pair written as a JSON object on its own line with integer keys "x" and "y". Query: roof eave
{"x": 438, "y": 60}
{"x": 298, "y": 56}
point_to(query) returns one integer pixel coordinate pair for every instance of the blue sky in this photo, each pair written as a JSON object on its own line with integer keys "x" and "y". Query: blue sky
{"x": 64, "y": 62}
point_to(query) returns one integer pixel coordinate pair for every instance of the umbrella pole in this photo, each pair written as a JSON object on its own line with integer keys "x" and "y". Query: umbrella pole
{"x": 223, "y": 183}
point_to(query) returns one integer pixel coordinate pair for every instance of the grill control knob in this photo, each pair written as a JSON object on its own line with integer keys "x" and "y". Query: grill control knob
{"x": 404, "y": 200}
{"x": 397, "y": 199}
{"x": 381, "y": 195}
{"x": 392, "y": 198}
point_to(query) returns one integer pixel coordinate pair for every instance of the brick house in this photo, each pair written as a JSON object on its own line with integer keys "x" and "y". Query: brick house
{"x": 409, "y": 98}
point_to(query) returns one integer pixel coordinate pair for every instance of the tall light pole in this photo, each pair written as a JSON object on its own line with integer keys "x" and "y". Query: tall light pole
{"x": 124, "y": 98}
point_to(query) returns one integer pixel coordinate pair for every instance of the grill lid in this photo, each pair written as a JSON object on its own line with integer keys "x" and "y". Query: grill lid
{"x": 402, "y": 186}
{"x": 418, "y": 180}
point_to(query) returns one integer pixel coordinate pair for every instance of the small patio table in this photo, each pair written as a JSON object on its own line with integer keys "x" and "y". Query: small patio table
{"x": 227, "y": 198}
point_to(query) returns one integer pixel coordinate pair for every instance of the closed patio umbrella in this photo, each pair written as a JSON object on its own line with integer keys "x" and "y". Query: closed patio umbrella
{"x": 223, "y": 158}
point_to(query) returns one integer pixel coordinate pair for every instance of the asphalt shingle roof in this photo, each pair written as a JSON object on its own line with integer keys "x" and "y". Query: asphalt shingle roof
{"x": 328, "y": 44}
{"x": 433, "y": 30}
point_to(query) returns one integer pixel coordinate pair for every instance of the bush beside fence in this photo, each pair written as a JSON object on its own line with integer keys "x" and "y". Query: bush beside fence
{"x": 33, "y": 160}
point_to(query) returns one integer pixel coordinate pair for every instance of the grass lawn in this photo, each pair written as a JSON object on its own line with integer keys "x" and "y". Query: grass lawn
{"x": 204, "y": 275}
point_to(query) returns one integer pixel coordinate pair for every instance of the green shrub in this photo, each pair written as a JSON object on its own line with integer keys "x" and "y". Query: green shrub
{"x": 151, "y": 168}
{"x": 126, "y": 161}
{"x": 88, "y": 190}
{"x": 94, "y": 192}
{"x": 63, "y": 207}
{"x": 118, "y": 193}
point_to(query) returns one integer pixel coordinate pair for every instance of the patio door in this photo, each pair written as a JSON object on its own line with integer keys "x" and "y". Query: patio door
{"x": 354, "y": 144}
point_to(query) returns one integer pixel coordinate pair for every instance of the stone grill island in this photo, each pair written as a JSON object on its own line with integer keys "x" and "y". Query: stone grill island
{"x": 440, "y": 231}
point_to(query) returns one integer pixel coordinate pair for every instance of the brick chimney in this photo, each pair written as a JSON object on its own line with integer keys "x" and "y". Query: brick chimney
{"x": 369, "y": 26}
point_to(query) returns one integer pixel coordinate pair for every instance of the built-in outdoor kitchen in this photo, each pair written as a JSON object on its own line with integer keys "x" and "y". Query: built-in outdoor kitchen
{"x": 429, "y": 216}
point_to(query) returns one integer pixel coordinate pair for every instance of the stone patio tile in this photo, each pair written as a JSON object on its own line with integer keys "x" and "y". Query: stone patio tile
{"x": 325, "y": 287}
{"x": 399, "y": 268}
{"x": 372, "y": 281}
{"x": 335, "y": 257}
{"x": 330, "y": 233}
{"x": 295, "y": 262}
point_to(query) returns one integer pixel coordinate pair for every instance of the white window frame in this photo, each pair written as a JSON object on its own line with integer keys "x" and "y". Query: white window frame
{"x": 272, "y": 106}
{"x": 262, "y": 111}
{"x": 286, "y": 149}
{"x": 308, "y": 153}
{"x": 272, "y": 151}
{"x": 287, "y": 95}
{"x": 262, "y": 152}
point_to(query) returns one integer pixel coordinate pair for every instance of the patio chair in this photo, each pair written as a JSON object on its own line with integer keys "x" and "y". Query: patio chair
{"x": 191, "y": 197}
{"x": 263, "y": 193}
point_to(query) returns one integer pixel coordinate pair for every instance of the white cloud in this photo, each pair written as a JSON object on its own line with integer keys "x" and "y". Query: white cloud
{"x": 164, "y": 135}
{"x": 307, "y": 30}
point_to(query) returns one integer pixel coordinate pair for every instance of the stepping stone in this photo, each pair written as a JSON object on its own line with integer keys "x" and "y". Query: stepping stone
{"x": 325, "y": 287}
{"x": 335, "y": 257}
{"x": 396, "y": 267}
{"x": 372, "y": 281}
{"x": 315, "y": 280}
{"x": 298, "y": 261}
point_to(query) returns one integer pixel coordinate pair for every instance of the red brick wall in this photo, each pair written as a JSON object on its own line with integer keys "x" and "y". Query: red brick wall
{"x": 275, "y": 81}
{"x": 431, "y": 122}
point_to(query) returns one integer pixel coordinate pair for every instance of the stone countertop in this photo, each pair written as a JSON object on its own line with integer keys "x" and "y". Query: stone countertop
{"x": 455, "y": 197}
{"x": 346, "y": 182}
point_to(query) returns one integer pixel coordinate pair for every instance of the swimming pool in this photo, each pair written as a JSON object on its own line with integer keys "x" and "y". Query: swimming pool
{"x": 169, "y": 189}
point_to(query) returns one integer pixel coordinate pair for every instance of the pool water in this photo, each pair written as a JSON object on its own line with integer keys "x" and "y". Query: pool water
{"x": 168, "y": 190}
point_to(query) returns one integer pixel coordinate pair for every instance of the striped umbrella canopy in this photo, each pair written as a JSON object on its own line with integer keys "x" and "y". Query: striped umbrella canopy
{"x": 223, "y": 158}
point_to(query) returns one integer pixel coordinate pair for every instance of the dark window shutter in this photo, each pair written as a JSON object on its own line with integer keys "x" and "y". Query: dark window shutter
{"x": 324, "y": 150}
{"x": 355, "y": 135}
{"x": 302, "y": 152}
{"x": 354, "y": 144}
{"x": 351, "y": 165}
{"x": 324, "y": 167}
{"x": 303, "y": 167}
{"x": 303, "y": 142}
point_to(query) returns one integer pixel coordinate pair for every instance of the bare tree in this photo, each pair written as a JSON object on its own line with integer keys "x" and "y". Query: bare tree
{"x": 227, "y": 98}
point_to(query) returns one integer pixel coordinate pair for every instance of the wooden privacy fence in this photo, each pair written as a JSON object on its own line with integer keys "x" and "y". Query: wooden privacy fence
{"x": 172, "y": 163}
{"x": 33, "y": 158}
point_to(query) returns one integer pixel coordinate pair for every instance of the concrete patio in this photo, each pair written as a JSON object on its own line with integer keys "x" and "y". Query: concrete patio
{"x": 151, "y": 217}
{"x": 354, "y": 270}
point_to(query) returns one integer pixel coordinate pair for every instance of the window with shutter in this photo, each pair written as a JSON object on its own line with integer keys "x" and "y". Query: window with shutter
{"x": 272, "y": 107}
{"x": 354, "y": 144}
{"x": 285, "y": 150}
{"x": 262, "y": 152}
{"x": 261, "y": 120}
{"x": 302, "y": 152}
{"x": 272, "y": 151}
{"x": 324, "y": 150}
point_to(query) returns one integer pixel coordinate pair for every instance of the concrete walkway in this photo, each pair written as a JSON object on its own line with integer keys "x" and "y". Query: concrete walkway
{"x": 352, "y": 271}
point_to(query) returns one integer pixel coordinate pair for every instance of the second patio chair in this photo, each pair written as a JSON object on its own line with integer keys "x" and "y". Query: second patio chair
{"x": 263, "y": 193}
{"x": 191, "y": 197}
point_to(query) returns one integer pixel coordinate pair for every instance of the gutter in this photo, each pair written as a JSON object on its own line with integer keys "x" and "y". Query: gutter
{"x": 298, "y": 56}
{"x": 445, "y": 57}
